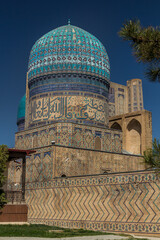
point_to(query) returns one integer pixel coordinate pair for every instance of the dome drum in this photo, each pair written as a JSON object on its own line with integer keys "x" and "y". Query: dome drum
{"x": 45, "y": 79}
{"x": 79, "y": 108}
{"x": 68, "y": 82}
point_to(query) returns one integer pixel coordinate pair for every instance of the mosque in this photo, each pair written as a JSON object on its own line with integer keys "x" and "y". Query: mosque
{"x": 84, "y": 131}
{"x": 68, "y": 89}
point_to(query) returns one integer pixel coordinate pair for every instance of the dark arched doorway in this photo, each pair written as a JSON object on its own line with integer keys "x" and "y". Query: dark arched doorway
{"x": 116, "y": 126}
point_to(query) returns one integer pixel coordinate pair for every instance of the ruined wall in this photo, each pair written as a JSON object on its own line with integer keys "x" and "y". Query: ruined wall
{"x": 122, "y": 202}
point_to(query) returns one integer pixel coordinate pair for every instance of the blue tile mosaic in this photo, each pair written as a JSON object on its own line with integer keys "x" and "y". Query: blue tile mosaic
{"x": 68, "y": 48}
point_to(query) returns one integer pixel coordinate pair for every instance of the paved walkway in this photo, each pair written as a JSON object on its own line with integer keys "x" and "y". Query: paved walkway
{"x": 101, "y": 237}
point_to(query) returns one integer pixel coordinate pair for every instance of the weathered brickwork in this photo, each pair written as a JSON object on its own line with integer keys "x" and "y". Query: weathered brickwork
{"x": 75, "y": 162}
{"x": 69, "y": 134}
{"x": 56, "y": 161}
{"x": 127, "y": 202}
{"x": 136, "y": 130}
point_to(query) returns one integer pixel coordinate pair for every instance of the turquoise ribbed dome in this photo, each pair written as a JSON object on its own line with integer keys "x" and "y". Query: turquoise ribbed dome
{"x": 68, "y": 49}
{"x": 21, "y": 109}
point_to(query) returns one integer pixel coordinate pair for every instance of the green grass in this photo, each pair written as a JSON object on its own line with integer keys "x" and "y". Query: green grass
{"x": 39, "y": 230}
{"x": 132, "y": 238}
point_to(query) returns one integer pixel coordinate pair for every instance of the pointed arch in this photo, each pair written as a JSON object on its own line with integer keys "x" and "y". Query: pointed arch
{"x": 133, "y": 137}
{"x": 116, "y": 126}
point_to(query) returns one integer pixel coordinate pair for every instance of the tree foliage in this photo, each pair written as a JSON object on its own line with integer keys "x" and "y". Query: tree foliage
{"x": 145, "y": 43}
{"x": 152, "y": 155}
{"x": 3, "y": 159}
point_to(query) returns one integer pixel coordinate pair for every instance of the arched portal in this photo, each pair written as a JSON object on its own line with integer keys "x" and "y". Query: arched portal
{"x": 116, "y": 126}
{"x": 133, "y": 137}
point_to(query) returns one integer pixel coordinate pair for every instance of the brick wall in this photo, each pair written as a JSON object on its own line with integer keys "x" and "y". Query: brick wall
{"x": 122, "y": 202}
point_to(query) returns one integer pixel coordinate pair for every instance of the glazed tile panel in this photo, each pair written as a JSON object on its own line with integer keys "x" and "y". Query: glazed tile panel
{"x": 69, "y": 86}
{"x": 72, "y": 135}
{"x": 128, "y": 202}
{"x": 68, "y": 48}
{"x": 76, "y": 108}
{"x": 68, "y": 78}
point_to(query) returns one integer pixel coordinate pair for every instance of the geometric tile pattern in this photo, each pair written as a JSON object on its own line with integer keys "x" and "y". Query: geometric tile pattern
{"x": 39, "y": 167}
{"x": 68, "y": 48}
{"x": 69, "y": 134}
{"x": 116, "y": 202}
{"x": 88, "y": 139}
{"x": 111, "y": 110}
{"x": 43, "y": 138}
{"x": 107, "y": 142}
{"x": 64, "y": 134}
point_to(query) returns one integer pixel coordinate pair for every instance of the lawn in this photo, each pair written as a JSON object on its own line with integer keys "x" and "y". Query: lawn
{"x": 39, "y": 230}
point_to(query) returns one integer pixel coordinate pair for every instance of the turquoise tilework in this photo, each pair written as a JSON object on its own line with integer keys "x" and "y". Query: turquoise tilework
{"x": 68, "y": 48}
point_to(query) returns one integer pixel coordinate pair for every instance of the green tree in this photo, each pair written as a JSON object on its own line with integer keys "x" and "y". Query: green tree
{"x": 4, "y": 154}
{"x": 145, "y": 43}
{"x": 152, "y": 155}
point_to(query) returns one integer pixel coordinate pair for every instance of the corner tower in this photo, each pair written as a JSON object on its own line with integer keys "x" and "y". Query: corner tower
{"x": 68, "y": 79}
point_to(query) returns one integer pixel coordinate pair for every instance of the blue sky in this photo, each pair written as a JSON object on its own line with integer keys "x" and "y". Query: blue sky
{"x": 23, "y": 22}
